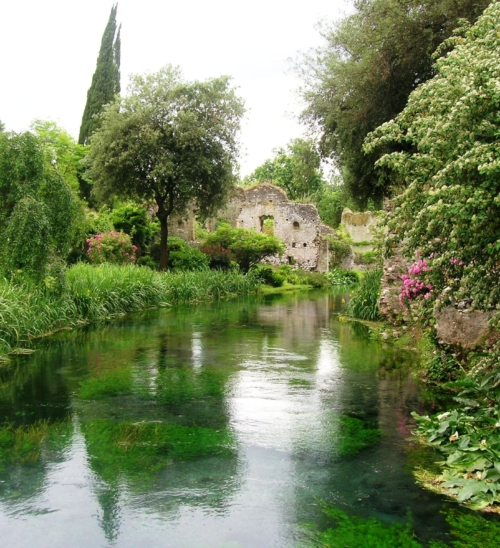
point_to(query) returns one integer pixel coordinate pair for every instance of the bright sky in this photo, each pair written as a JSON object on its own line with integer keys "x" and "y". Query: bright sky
{"x": 49, "y": 52}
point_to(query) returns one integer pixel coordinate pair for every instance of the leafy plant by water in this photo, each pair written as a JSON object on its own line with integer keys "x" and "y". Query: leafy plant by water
{"x": 363, "y": 303}
{"x": 338, "y": 276}
{"x": 469, "y": 438}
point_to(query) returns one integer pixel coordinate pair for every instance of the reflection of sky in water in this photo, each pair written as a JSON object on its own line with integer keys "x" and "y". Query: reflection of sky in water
{"x": 289, "y": 372}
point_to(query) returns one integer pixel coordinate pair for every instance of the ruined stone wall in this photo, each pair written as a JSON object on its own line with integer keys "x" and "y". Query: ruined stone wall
{"x": 297, "y": 225}
{"x": 359, "y": 225}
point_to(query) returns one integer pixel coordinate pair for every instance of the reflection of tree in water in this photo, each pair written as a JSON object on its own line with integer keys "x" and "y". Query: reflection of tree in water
{"x": 167, "y": 434}
{"x": 30, "y": 391}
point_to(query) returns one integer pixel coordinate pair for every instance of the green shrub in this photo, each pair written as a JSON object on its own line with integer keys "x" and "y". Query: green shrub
{"x": 269, "y": 275}
{"x": 133, "y": 219}
{"x": 363, "y": 303}
{"x": 338, "y": 276}
{"x": 183, "y": 256}
{"x": 247, "y": 246}
{"x": 339, "y": 250}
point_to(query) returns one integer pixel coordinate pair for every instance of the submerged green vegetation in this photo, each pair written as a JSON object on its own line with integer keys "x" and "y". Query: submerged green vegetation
{"x": 23, "y": 444}
{"x": 141, "y": 449}
{"x": 356, "y": 435}
{"x": 467, "y": 530}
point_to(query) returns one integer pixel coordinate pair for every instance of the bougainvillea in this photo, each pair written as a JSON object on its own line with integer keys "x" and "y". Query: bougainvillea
{"x": 112, "y": 247}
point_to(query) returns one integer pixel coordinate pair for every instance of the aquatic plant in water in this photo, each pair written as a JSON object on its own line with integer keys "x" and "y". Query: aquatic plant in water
{"x": 468, "y": 530}
{"x": 356, "y": 435}
{"x": 140, "y": 449}
{"x": 23, "y": 444}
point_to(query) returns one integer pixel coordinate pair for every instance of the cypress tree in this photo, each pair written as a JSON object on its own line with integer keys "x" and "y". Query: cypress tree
{"x": 106, "y": 78}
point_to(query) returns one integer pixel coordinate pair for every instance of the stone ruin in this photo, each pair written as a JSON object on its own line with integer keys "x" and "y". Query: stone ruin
{"x": 266, "y": 208}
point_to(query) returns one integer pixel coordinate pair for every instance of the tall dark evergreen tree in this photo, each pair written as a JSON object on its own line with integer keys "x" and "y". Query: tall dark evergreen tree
{"x": 106, "y": 78}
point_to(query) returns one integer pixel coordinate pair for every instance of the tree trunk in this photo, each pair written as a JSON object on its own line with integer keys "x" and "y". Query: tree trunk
{"x": 163, "y": 218}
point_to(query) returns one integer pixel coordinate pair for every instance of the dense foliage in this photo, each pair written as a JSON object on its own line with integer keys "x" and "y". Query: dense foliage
{"x": 247, "y": 247}
{"x": 363, "y": 302}
{"x": 370, "y": 63}
{"x": 105, "y": 81}
{"x": 39, "y": 212}
{"x": 469, "y": 440}
{"x": 296, "y": 169}
{"x": 171, "y": 142}
{"x": 450, "y": 210}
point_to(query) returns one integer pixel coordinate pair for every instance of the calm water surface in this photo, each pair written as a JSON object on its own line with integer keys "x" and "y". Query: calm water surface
{"x": 212, "y": 426}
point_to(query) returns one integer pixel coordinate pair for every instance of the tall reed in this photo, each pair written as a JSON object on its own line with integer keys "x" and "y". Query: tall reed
{"x": 363, "y": 303}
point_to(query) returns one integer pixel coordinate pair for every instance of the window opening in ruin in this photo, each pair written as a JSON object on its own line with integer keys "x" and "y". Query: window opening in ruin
{"x": 305, "y": 245}
{"x": 293, "y": 244}
{"x": 296, "y": 224}
{"x": 291, "y": 260}
{"x": 180, "y": 223}
{"x": 267, "y": 224}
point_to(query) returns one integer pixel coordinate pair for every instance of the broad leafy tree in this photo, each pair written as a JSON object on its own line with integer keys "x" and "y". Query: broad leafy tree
{"x": 296, "y": 169}
{"x": 106, "y": 79}
{"x": 449, "y": 160}
{"x": 61, "y": 151}
{"x": 370, "y": 62}
{"x": 171, "y": 142}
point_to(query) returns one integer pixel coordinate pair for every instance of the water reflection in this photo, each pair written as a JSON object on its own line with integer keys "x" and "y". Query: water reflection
{"x": 211, "y": 426}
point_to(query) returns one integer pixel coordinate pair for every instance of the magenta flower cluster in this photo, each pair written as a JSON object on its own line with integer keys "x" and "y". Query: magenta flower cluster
{"x": 414, "y": 284}
{"x": 111, "y": 247}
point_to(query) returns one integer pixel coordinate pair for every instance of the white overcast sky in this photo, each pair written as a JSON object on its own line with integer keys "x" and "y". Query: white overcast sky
{"x": 49, "y": 52}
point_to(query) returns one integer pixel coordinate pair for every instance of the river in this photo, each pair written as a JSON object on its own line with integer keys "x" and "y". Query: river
{"x": 217, "y": 425}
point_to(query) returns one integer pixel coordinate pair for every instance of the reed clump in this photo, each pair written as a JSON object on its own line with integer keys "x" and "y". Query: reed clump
{"x": 95, "y": 294}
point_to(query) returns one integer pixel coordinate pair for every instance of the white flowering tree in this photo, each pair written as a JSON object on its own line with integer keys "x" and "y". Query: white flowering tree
{"x": 449, "y": 164}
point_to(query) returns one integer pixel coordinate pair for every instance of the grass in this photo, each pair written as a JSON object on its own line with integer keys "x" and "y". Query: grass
{"x": 96, "y": 294}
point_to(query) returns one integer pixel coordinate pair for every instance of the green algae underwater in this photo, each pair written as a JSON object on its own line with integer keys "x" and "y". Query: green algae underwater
{"x": 259, "y": 422}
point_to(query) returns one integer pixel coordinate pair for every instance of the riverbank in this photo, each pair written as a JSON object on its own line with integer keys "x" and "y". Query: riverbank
{"x": 93, "y": 294}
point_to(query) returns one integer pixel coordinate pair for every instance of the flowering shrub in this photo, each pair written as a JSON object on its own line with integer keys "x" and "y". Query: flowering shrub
{"x": 447, "y": 157}
{"x": 414, "y": 283}
{"x": 112, "y": 247}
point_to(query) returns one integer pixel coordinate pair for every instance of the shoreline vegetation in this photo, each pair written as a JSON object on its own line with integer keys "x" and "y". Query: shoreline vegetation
{"x": 94, "y": 294}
